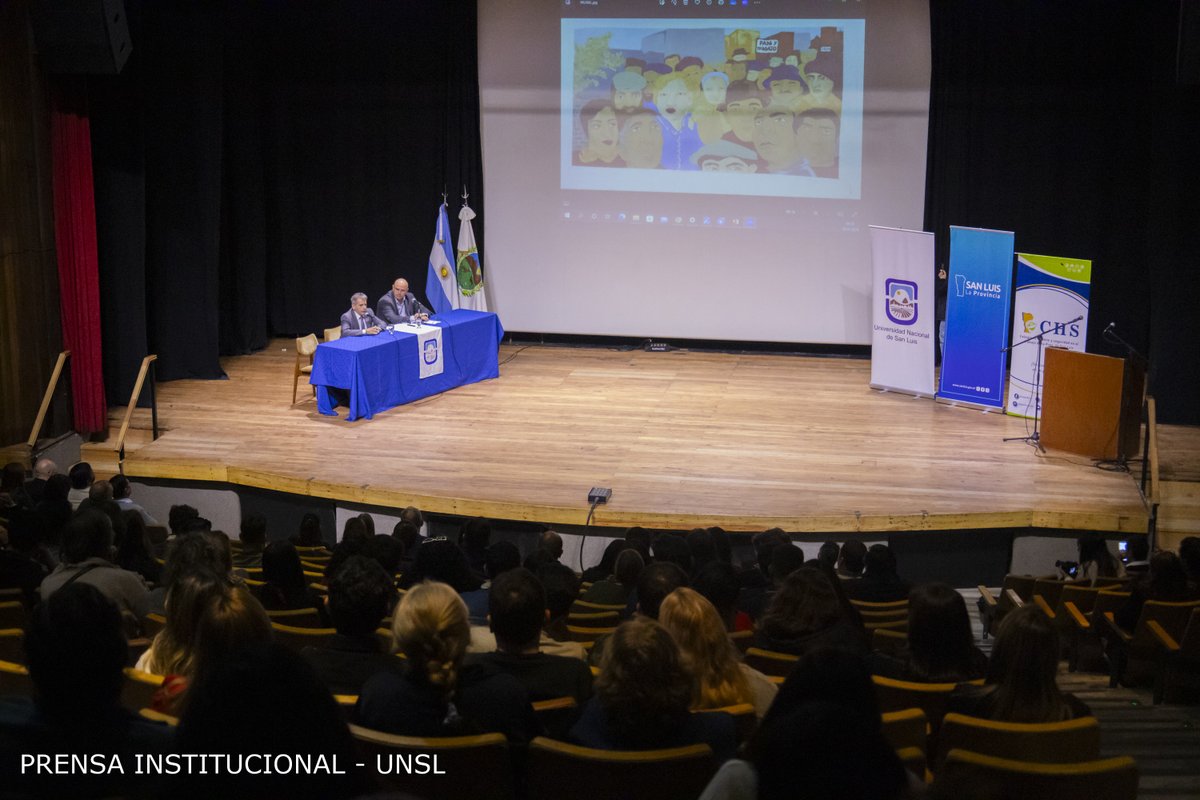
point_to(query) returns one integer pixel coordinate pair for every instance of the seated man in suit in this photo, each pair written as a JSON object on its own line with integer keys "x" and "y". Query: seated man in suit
{"x": 359, "y": 319}
{"x": 400, "y": 305}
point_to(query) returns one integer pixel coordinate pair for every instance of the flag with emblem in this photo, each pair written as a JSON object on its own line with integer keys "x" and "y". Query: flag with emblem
{"x": 441, "y": 284}
{"x": 470, "y": 277}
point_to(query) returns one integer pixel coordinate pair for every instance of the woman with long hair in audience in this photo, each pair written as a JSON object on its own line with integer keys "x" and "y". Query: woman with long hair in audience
{"x": 1096, "y": 561}
{"x": 1021, "y": 681}
{"x": 437, "y": 694}
{"x": 941, "y": 647}
{"x": 134, "y": 551}
{"x": 1165, "y": 581}
{"x": 207, "y": 618}
{"x": 718, "y": 678}
{"x": 643, "y": 695}
{"x": 806, "y": 613}
{"x": 285, "y": 586}
{"x": 310, "y": 533}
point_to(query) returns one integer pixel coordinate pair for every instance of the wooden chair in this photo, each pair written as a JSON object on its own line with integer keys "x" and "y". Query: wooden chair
{"x": 897, "y": 695}
{"x": 593, "y": 619}
{"x": 915, "y": 761}
{"x": 1128, "y": 648}
{"x": 15, "y": 680}
{"x": 558, "y": 770}
{"x": 742, "y": 640}
{"x": 1084, "y": 627}
{"x": 771, "y": 663}
{"x": 12, "y": 645}
{"x": 1049, "y": 589}
{"x": 1016, "y": 589}
{"x": 557, "y": 715}
{"x": 1177, "y": 659}
{"x": 333, "y": 334}
{"x": 468, "y": 766}
{"x": 588, "y": 634}
{"x": 907, "y": 728}
{"x": 305, "y": 347}
{"x": 1104, "y": 779}
{"x": 297, "y": 638}
{"x": 1043, "y": 742}
{"x": 137, "y": 692}
{"x": 152, "y": 624}
{"x": 889, "y": 642}
{"x": 298, "y": 617}
{"x": 12, "y": 614}
{"x": 744, "y": 719}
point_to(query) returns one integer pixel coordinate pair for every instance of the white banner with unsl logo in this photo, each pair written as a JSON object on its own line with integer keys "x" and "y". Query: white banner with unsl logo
{"x": 902, "y": 310}
{"x": 429, "y": 348}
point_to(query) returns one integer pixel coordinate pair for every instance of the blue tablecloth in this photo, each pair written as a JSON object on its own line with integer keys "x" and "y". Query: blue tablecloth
{"x": 384, "y": 371}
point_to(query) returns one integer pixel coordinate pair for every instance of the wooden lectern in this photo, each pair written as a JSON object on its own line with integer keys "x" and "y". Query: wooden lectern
{"x": 1091, "y": 404}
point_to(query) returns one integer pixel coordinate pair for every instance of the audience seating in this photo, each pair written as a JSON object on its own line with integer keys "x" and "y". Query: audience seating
{"x": 769, "y": 662}
{"x": 158, "y": 716}
{"x": 135, "y": 649}
{"x": 298, "y": 638}
{"x": 907, "y": 728}
{"x": 896, "y": 625}
{"x": 305, "y": 347}
{"x": 138, "y": 690}
{"x": 15, "y": 680}
{"x": 1104, "y": 779}
{"x": 897, "y": 695}
{"x": 588, "y": 633}
{"x": 742, "y": 640}
{"x": 743, "y": 715}
{"x": 347, "y": 703}
{"x": 593, "y": 619}
{"x": 1141, "y": 644}
{"x": 469, "y": 766}
{"x": 888, "y": 641}
{"x": 1045, "y": 742}
{"x": 993, "y": 609}
{"x": 298, "y": 617}
{"x": 556, "y": 714}
{"x": 152, "y": 624}
{"x": 12, "y": 645}
{"x": 584, "y": 607}
{"x": 558, "y": 770}
{"x": 12, "y": 614}
{"x": 1049, "y": 589}
{"x": 1084, "y": 626}
{"x": 915, "y": 761}
{"x": 384, "y": 635}
{"x": 891, "y": 606}
{"x": 1177, "y": 659}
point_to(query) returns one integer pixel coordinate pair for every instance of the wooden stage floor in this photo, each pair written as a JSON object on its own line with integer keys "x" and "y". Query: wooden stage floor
{"x": 684, "y": 439}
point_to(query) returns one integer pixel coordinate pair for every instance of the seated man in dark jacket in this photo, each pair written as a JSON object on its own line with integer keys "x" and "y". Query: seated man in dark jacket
{"x": 361, "y": 594}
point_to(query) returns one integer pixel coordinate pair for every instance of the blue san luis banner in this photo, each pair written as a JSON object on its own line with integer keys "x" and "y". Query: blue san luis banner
{"x": 1051, "y": 294}
{"x": 978, "y": 302}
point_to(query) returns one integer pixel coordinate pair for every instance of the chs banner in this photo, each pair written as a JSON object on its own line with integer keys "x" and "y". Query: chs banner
{"x": 978, "y": 300}
{"x": 1052, "y": 293}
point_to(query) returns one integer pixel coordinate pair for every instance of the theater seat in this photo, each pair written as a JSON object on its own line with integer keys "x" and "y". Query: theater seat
{"x": 557, "y": 770}
{"x": 1105, "y": 779}
{"x": 1047, "y": 742}
{"x": 468, "y": 766}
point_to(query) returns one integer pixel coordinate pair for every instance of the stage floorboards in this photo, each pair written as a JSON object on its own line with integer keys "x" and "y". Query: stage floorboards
{"x": 745, "y": 441}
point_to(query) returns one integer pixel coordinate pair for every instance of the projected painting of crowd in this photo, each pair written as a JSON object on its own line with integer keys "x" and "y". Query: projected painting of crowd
{"x": 713, "y": 100}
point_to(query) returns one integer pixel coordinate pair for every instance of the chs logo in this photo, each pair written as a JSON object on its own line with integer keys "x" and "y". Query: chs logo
{"x": 431, "y": 352}
{"x": 900, "y": 304}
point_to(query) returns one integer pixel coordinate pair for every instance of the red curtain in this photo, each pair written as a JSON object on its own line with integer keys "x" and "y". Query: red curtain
{"x": 75, "y": 242}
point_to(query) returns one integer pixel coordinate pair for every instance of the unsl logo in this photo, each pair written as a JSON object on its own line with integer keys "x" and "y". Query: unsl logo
{"x": 431, "y": 351}
{"x": 900, "y": 304}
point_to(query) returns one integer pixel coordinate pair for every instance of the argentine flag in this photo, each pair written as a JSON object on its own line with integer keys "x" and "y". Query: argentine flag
{"x": 470, "y": 277}
{"x": 441, "y": 284}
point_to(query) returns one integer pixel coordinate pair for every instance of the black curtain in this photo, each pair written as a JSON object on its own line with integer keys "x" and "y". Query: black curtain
{"x": 256, "y": 163}
{"x": 1064, "y": 123}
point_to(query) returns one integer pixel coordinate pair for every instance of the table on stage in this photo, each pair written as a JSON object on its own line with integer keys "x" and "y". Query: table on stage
{"x": 383, "y": 371}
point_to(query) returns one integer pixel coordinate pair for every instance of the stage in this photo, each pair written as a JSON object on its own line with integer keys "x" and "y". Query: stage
{"x": 684, "y": 439}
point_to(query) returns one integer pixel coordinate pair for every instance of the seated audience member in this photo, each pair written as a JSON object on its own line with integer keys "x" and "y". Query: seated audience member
{"x": 354, "y": 540}
{"x": 135, "y": 553}
{"x": 100, "y": 498}
{"x": 387, "y": 551}
{"x": 180, "y": 518}
{"x": 757, "y": 576}
{"x": 719, "y": 679}
{"x": 620, "y": 585}
{"x": 1189, "y": 554}
{"x": 189, "y": 553}
{"x": 265, "y": 700}
{"x": 781, "y": 560}
{"x": 640, "y": 538}
{"x": 674, "y": 548}
{"x": 851, "y": 560}
{"x": 368, "y": 523}
{"x": 722, "y": 544}
{"x": 941, "y": 647}
{"x": 1096, "y": 561}
{"x": 703, "y": 548}
{"x": 207, "y": 619}
{"x": 54, "y": 511}
{"x": 1137, "y": 556}
{"x": 123, "y": 493}
{"x": 642, "y": 697}
{"x": 12, "y": 489}
{"x": 549, "y": 551}
{"x": 516, "y": 612}
{"x": 500, "y": 558}
{"x": 880, "y": 582}
{"x": 437, "y": 694}
{"x": 654, "y": 584}
{"x": 361, "y": 594}
{"x": 87, "y": 550}
{"x": 805, "y": 614}
{"x": 608, "y": 561}
{"x": 1020, "y": 684}
{"x": 1166, "y": 581}
{"x": 285, "y": 586}
{"x": 310, "y": 533}
{"x": 829, "y": 554}
{"x": 562, "y": 590}
{"x": 253, "y": 536}
{"x": 82, "y": 478}
{"x": 439, "y": 559}
{"x": 474, "y": 538}
{"x": 25, "y": 563}
{"x": 718, "y": 583}
{"x": 42, "y": 470}
{"x": 76, "y": 651}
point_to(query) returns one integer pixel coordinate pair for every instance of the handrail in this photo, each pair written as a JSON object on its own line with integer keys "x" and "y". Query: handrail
{"x": 133, "y": 398}
{"x": 1151, "y": 463}
{"x": 46, "y": 398}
